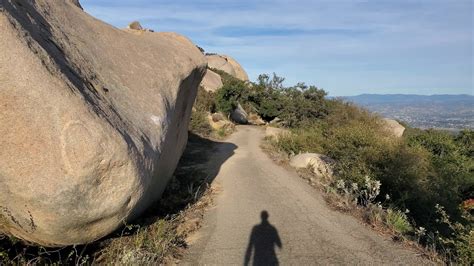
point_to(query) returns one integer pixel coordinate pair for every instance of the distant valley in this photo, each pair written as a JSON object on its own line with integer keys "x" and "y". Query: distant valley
{"x": 451, "y": 112}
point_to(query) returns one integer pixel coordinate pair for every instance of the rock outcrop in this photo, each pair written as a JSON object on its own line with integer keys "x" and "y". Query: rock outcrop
{"x": 211, "y": 81}
{"x": 228, "y": 65}
{"x": 239, "y": 115}
{"x": 321, "y": 165}
{"x": 93, "y": 120}
{"x": 393, "y": 127}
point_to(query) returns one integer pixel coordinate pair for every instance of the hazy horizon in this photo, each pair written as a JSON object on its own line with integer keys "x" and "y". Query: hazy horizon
{"x": 361, "y": 92}
{"x": 345, "y": 47}
{"x": 408, "y": 94}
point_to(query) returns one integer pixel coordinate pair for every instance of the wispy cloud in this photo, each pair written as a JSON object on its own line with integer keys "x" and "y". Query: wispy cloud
{"x": 345, "y": 46}
{"x": 247, "y": 31}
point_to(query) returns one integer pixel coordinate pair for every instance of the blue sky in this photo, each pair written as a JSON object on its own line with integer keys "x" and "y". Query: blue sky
{"x": 347, "y": 47}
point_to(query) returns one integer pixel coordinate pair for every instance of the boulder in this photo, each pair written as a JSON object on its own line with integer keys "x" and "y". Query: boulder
{"x": 274, "y": 132}
{"x": 220, "y": 124}
{"x": 276, "y": 120}
{"x": 239, "y": 115}
{"x": 393, "y": 127}
{"x": 216, "y": 117}
{"x": 228, "y": 65}
{"x": 135, "y": 25}
{"x": 93, "y": 120}
{"x": 238, "y": 69}
{"x": 321, "y": 165}
{"x": 211, "y": 81}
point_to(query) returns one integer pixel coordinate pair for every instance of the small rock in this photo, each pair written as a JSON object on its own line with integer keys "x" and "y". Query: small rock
{"x": 216, "y": 117}
{"x": 276, "y": 120}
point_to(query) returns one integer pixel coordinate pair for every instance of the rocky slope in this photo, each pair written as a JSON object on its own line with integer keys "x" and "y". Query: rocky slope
{"x": 93, "y": 120}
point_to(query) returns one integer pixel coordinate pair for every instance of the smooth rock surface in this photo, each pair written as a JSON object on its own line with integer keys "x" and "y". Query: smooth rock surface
{"x": 393, "y": 127}
{"x": 93, "y": 120}
{"x": 239, "y": 115}
{"x": 211, "y": 81}
{"x": 228, "y": 65}
{"x": 321, "y": 165}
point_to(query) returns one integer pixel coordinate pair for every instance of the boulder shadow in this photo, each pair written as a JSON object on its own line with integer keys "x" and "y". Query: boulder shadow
{"x": 196, "y": 170}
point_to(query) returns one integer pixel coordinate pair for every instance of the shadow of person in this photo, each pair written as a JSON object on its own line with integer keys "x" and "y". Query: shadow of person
{"x": 262, "y": 242}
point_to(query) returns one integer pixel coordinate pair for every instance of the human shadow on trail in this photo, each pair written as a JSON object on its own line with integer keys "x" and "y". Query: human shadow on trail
{"x": 262, "y": 243}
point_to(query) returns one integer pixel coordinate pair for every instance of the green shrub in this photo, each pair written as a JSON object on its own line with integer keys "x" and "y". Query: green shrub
{"x": 303, "y": 105}
{"x": 303, "y": 140}
{"x": 398, "y": 221}
{"x": 459, "y": 244}
{"x": 199, "y": 124}
{"x": 205, "y": 101}
{"x": 230, "y": 94}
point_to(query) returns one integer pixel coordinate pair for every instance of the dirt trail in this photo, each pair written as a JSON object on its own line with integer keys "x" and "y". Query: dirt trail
{"x": 299, "y": 219}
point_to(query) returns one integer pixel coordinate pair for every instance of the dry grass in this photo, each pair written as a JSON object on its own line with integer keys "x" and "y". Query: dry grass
{"x": 162, "y": 242}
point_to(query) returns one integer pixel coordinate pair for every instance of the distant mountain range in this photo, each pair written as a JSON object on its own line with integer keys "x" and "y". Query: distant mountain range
{"x": 444, "y": 111}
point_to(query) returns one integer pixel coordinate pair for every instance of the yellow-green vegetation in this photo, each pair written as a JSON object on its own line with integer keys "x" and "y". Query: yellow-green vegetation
{"x": 421, "y": 170}
{"x": 398, "y": 221}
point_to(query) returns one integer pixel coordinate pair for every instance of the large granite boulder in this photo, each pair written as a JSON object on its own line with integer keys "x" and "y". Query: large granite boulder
{"x": 93, "y": 120}
{"x": 228, "y": 65}
{"x": 393, "y": 127}
{"x": 211, "y": 81}
{"x": 239, "y": 116}
{"x": 321, "y": 165}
